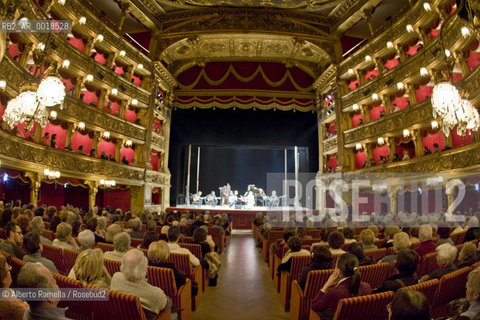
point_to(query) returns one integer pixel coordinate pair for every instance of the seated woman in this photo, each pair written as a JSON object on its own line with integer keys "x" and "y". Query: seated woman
{"x": 367, "y": 237}
{"x": 473, "y": 295}
{"x": 357, "y": 250}
{"x": 467, "y": 255}
{"x": 158, "y": 253}
{"x": 445, "y": 259}
{"x": 89, "y": 269}
{"x": 389, "y": 234}
{"x": 9, "y": 309}
{"x": 322, "y": 260}
{"x": 348, "y": 233}
{"x": 200, "y": 237}
{"x": 294, "y": 249}
{"x": 63, "y": 237}
{"x": 407, "y": 262}
{"x": 343, "y": 283}
{"x": 400, "y": 241}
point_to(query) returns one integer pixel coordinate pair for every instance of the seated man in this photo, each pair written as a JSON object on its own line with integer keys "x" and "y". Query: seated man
{"x": 173, "y": 236}
{"x": 409, "y": 305}
{"x": 132, "y": 280}
{"x": 13, "y": 244}
{"x": 197, "y": 198}
{"x": 407, "y": 262}
{"x": 136, "y": 226}
{"x": 37, "y": 227}
{"x": 121, "y": 242}
{"x": 36, "y": 275}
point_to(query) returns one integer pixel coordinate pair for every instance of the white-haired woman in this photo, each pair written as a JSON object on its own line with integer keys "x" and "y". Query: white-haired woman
{"x": 446, "y": 254}
{"x": 132, "y": 280}
{"x": 86, "y": 239}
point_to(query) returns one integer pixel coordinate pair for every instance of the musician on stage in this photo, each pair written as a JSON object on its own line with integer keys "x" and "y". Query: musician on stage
{"x": 211, "y": 199}
{"x": 225, "y": 192}
{"x": 273, "y": 200}
{"x": 197, "y": 198}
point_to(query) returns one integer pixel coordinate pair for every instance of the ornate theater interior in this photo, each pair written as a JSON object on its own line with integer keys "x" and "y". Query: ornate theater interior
{"x": 141, "y": 104}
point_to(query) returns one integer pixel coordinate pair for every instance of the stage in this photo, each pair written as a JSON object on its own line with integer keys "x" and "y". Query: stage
{"x": 242, "y": 218}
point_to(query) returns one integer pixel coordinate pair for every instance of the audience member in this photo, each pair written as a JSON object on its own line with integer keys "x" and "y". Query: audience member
{"x": 149, "y": 237}
{"x": 473, "y": 230}
{"x": 409, "y": 305}
{"x": 112, "y": 230}
{"x": 86, "y": 238}
{"x": 36, "y": 275}
{"x": 158, "y": 254}
{"x": 294, "y": 249}
{"x": 425, "y": 236}
{"x": 37, "y": 227}
{"x": 367, "y": 237}
{"x": 132, "y": 280}
{"x": 63, "y": 237}
{"x": 321, "y": 260}
{"x": 173, "y": 236}
{"x": 348, "y": 233}
{"x": 473, "y": 295}
{"x": 443, "y": 232}
{"x": 121, "y": 242}
{"x": 135, "y": 225}
{"x": 90, "y": 269}
{"x": 13, "y": 244}
{"x": 446, "y": 254}
{"x": 336, "y": 242}
{"x": 467, "y": 255}
{"x": 389, "y": 234}
{"x": 400, "y": 241}
{"x": 200, "y": 237}
{"x": 31, "y": 242}
{"x": 343, "y": 283}
{"x": 357, "y": 250}
{"x": 9, "y": 309}
{"x": 407, "y": 262}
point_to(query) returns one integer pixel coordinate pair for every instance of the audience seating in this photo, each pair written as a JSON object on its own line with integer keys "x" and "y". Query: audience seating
{"x": 379, "y": 242}
{"x": 181, "y": 297}
{"x": 217, "y": 237}
{"x": 16, "y": 264}
{"x": 69, "y": 258}
{"x": 428, "y": 288}
{"x": 376, "y": 274}
{"x": 50, "y": 235}
{"x": 371, "y": 307}
{"x": 196, "y": 249}
{"x": 458, "y": 237}
{"x": 182, "y": 263}
{"x": 273, "y": 235}
{"x": 427, "y": 264}
{"x": 286, "y": 278}
{"x": 55, "y": 254}
{"x": 122, "y": 306}
{"x": 301, "y": 300}
{"x": 76, "y": 309}
{"x": 112, "y": 266}
{"x": 378, "y": 254}
{"x": 450, "y": 287}
{"x": 105, "y": 246}
{"x": 475, "y": 265}
{"x": 135, "y": 242}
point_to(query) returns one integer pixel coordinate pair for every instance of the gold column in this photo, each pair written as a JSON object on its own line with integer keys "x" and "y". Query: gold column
{"x": 392, "y": 195}
{"x": 112, "y": 56}
{"x": 27, "y": 50}
{"x": 367, "y": 15}
{"x": 388, "y": 103}
{"x": 359, "y": 74}
{"x": 423, "y": 36}
{"x": 460, "y": 59}
{"x": 47, "y": 5}
{"x": 123, "y": 109}
{"x": 92, "y": 192}
{"x": 102, "y": 98}
{"x": 368, "y": 149}
{"x": 366, "y": 113}
{"x": 37, "y": 137}
{"x": 78, "y": 86}
{"x": 391, "y": 149}
{"x": 136, "y": 197}
{"x": 125, "y": 10}
{"x": 448, "y": 139}
{"x": 417, "y": 140}
{"x": 379, "y": 65}
{"x": 129, "y": 72}
{"x": 36, "y": 183}
{"x": 411, "y": 94}
{"x": 118, "y": 149}
{"x": 96, "y": 141}
{"x": 89, "y": 46}
{"x": 401, "y": 53}
{"x": 70, "y": 131}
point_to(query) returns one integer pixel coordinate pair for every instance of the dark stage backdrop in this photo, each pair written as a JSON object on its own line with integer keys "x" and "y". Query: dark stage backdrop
{"x": 239, "y": 147}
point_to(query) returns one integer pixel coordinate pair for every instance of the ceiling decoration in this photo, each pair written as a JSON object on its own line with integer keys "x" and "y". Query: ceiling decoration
{"x": 240, "y": 47}
{"x": 245, "y": 85}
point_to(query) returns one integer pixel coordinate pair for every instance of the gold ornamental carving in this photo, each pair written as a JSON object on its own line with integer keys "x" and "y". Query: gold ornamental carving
{"x": 329, "y": 145}
{"x": 158, "y": 141}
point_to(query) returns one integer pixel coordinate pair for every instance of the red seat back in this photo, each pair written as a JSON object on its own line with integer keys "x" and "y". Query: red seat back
{"x": 371, "y": 307}
{"x": 428, "y": 288}
{"x": 120, "y": 306}
{"x": 181, "y": 262}
{"x": 55, "y": 254}
{"x": 451, "y": 286}
{"x": 194, "y": 248}
{"x": 298, "y": 263}
{"x": 428, "y": 263}
{"x": 315, "y": 281}
{"x": 69, "y": 258}
{"x": 135, "y": 242}
{"x": 105, "y": 246}
{"x": 376, "y": 274}
{"x": 378, "y": 254}
{"x": 112, "y": 266}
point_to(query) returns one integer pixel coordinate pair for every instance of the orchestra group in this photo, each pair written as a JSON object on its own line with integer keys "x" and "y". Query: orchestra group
{"x": 230, "y": 198}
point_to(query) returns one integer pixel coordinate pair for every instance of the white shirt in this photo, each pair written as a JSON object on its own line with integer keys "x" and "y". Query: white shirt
{"x": 175, "y": 248}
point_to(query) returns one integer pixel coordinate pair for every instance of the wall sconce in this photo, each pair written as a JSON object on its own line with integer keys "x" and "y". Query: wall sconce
{"x": 358, "y": 146}
{"x": 81, "y": 126}
{"x": 368, "y": 58}
{"x": 380, "y": 141}
{"x": 122, "y": 53}
{"x": 62, "y": 2}
{"x": 51, "y": 174}
{"x": 114, "y": 92}
{"x": 406, "y": 133}
{"x": 447, "y": 53}
{"x": 389, "y": 44}
{"x": 355, "y": 107}
{"x": 107, "y": 183}
{"x": 53, "y": 115}
{"x": 140, "y": 66}
{"x": 3, "y": 84}
{"x": 99, "y": 38}
{"x": 106, "y": 135}
{"x": 41, "y": 46}
{"x": 434, "y": 124}
{"x": 423, "y": 72}
{"x": 409, "y": 28}
{"x": 89, "y": 78}
{"x": 128, "y": 143}
{"x": 427, "y": 7}
{"x": 400, "y": 86}
{"x": 350, "y": 71}
{"x": 66, "y": 64}
{"x": 82, "y": 20}
{"x": 375, "y": 97}
{"x": 134, "y": 102}
{"x": 465, "y": 32}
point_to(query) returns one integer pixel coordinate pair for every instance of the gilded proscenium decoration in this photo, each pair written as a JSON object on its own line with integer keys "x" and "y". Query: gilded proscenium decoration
{"x": 111, "y": 37}
{"x": 158, "y": 178}
{"x": 392, "y": 124}
{"x": 165, "y": 79}
{"x": 98, "y": 118}
{"x": 254, "y": 47}
{"x": 158, "y": 142}
{"x": 329, "y": 145}
{"x": 327, "y": 77}
{"x": 410, "y": 68}
{"x": 28, "y": 154}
